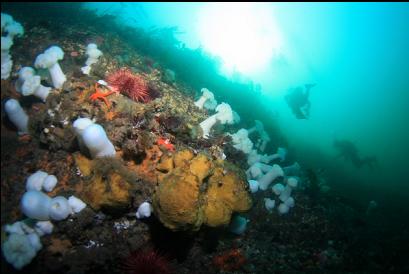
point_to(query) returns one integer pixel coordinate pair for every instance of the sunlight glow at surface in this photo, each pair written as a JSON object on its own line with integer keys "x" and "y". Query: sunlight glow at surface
{"x": 243, "y": 35}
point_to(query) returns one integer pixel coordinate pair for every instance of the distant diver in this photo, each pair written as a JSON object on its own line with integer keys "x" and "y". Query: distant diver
{"x": 297, "y": 100}
{"x": 348, "y": 151}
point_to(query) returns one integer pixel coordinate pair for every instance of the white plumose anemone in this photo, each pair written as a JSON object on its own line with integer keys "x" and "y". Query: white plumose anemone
{"x": 97, "y": 142}
{"x": 17, "y": 115}
{"x": 270, "y": 176}
{"x": 224, "y": 115}
{"x": 49, "y": 60}
{"x": 93, "y": 55}
{"x": 206, "y": 95}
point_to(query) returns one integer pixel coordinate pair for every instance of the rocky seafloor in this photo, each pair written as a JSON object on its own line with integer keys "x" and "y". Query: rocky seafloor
{"x": 325, "y": 235}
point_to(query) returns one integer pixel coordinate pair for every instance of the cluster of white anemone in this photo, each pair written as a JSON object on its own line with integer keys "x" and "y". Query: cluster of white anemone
{"x": 12, "y": 29}
{"x": 260, "y": 174}
{"x": 23, "y": 237}
{"x": 23, "y": 241}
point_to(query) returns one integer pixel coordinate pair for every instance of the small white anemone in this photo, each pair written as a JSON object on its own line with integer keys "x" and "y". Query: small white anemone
{"x": 6, "y": 62}
{"x": 292, "y": 182}
{"x": 76, "y": 205}
{"x": 241, "y": 141}
{"x": 285, "y": 194}
{"x": 14, "y": 29}
{"x": 144, "y": 210}
{"x": 97, "y": 142}
{"x": 17, "y": 115}
{"x": 254, "y": 185}
{"x": 33, "y": 86}
{"x": 35, "y": 181}
{"x": 283, "y": 209}
{"x": 224, "y": 115}
{"x": 93, "y": 55}
{"x": 269, "y": 204}
{"x": 206, "y": 95}
{"x": 79, "y": 126}
{"x": 270, "y": 176}
{"x": 49, "y": 60}
{"x": 23, "y": 74}
{"x": 278, "y": 188}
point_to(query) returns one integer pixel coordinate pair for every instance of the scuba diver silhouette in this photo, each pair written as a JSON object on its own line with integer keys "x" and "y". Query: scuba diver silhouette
{"x": 297, "y": 100}
{"x": 349, "y": 152}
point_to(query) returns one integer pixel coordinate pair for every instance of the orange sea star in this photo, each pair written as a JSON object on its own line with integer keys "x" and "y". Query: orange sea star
{"x": 100, "y": 95}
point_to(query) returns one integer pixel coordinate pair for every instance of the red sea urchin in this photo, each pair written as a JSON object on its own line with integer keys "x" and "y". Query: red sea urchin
{"x": 130, "y": 84}
{"x": 147, "y": 262}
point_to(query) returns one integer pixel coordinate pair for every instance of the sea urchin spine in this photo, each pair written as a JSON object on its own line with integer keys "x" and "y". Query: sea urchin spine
{"x": 130, "y": 84}
{"x": 147, "y": 262}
